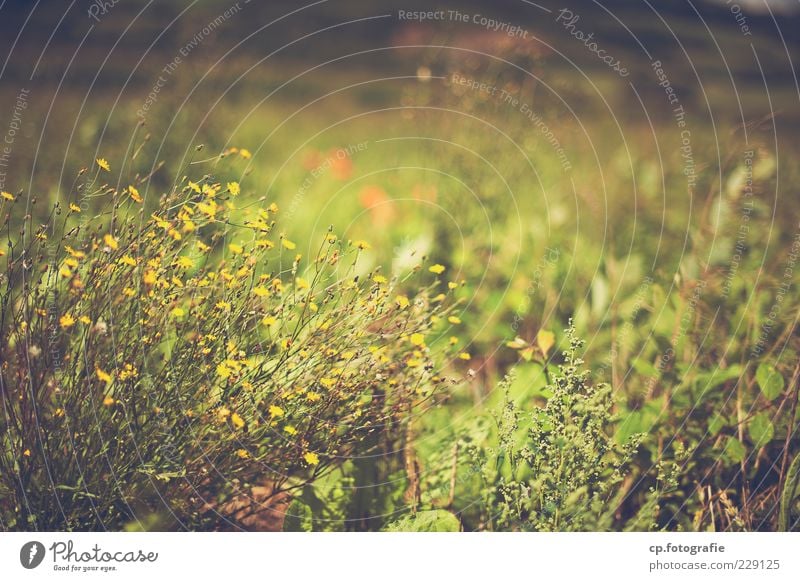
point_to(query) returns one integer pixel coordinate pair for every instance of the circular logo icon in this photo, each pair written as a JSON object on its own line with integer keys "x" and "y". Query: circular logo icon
{"x": 31, "y": 554}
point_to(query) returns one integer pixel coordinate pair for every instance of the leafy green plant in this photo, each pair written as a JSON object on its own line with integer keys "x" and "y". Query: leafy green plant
{"x": 565, "y": 472}
{"x": 174, "y": 363}
{"x": 789, "y": 497}
{"x": 426, "y": 521}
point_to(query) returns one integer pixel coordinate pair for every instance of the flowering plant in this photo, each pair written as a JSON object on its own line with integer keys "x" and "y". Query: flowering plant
{"x": 158, "y": 365}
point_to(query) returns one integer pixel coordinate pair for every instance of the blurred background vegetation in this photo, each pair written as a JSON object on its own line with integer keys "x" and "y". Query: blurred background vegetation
{"x": 672, "y": 247}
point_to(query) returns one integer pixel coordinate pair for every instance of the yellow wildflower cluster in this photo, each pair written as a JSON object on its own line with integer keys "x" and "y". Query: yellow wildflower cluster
{"x": 224, "y": 336}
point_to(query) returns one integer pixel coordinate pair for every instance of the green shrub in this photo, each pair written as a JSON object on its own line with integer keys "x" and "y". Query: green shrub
{"x": 558, "y": 467}
{"x": 157, "y": 366}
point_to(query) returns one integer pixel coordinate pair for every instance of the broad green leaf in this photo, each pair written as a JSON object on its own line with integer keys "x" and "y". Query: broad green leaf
{"x": 645, "y": 368}
{"x": 716, "y": 424}
{"x": 788, "y": 495}
{"x": 734, "y": 450}
{"x": 427, "y": 521}
{"x": 299, "y": 518}
{"x": 761, "y": 430}
{"x": 769, "y": 381}
{"x": 641, "y": 421}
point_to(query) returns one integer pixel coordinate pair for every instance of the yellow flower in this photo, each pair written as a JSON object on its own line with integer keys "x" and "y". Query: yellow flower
{"x": 417, "y": 339}
{"x": 103, "y": 164}
{"x": 275, "y": 412}
{"x": 233, "y": 188}
{"x": 210, "y": 190}
{"x": 75, "y": 208}
{"x": 160, "y": 222}
{"x": 134, "y": 194}
{"x": 85, "y": 320}
{"x": 436, "y": 269}
{"x": 128, "y": 371}
{"x": 74, "y": 253}
{"x": 223, "y": 413}
{"x": 291, "y": 430}
{"x": 311, "y": 458}
{"x": 149, "y": 277}
{"x": 465, "y": 356}
{"x": 402, "y": 301}
{"x": 242, "y": 453}
{"x": 224, "y": 371}
{"x": 301, "y": 283}
{"x": 127, "y": 260}
{"x": 363, "y": 245}
{"x": 111, "y": 242}
{"x": 235, "y": 248}
{"x": 26, "y": 453}
{"x": 452, "y": 285}
{"x": 273, "y": 207}
{"x": 108, "y": 400}
{"x": 7, "y": 196}
{"x": 237, "y": 421}
{"x": 194, "y": 187}
{"x": 209, "y": 209}
{"x": 102, "y": 375}
{"x": 245, "y": 153}
{"x": 66, "y": 321}
{"x": 261, "y": 291}
{"x": 453, "y": 340}
{"x": 288, "y": 244}
{"x": 453, "y": 320}
{"x": 184, "y": 262}
{"x": 313, "y": 396}
{"x": 379, "y": 279}
{"x": 64, "y": 271}
{"x": 413, "y": 362}
{"x": 223, "y": 305}
{"x": 178, "y": 312}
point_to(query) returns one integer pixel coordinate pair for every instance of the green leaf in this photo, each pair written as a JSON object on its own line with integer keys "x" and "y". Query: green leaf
{"x": 645, "y": 368}
{"x": 734, "y": 450}
{"x": 769, "y": 380}
{"x": 299, "y": 518}
{"x": 761, "y": 430}
{"x": 717, "y": 422}
{"x": 790, "y": 491}
{"x": 427, "y": 521}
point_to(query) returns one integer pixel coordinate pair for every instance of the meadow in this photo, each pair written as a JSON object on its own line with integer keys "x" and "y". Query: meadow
{"x": 475, "y": 282}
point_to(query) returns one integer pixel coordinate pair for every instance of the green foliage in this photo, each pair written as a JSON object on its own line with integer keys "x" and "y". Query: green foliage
{"x": 565, "y": 472}
{"x": 152, "y": 367}
{"x": 761, "y": 430}
{"x": 687, "y": 319}
{"x": 769, "y": 380}
{"x": 790, "y": 495}
{"x": 426, "y": 521}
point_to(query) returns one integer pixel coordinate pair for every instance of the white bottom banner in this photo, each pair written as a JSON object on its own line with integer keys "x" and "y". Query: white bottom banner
{"x": 405, "y": 556}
